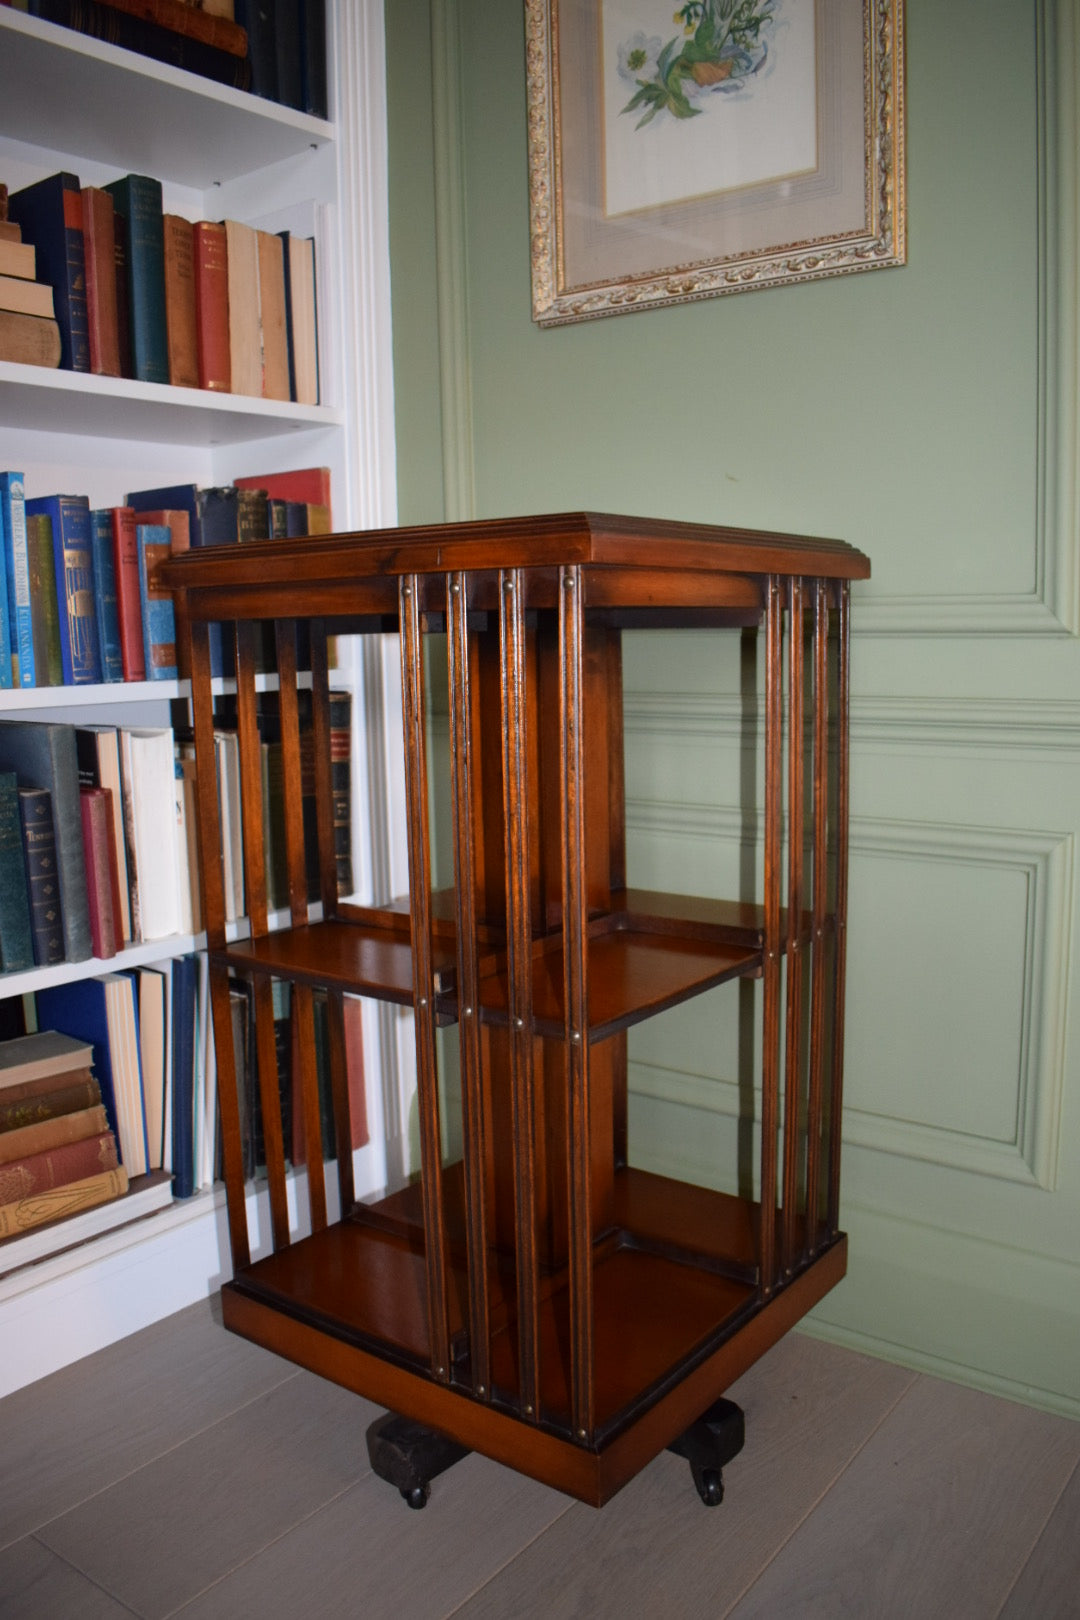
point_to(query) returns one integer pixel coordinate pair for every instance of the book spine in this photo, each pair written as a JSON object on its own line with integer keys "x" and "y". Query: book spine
{"x": 123, "y": 313}
{"x": 43, "y": 884}
{"x": 50, "y": 214}
{"x": 181, "y": 18}
{"x": 128, "y": 599}
{"x": 29, "y": 340}
{"x": 99, "y": 238}
{"x": 74, "y": 566}
{"x": 313, "y": 57}
{"x": 212, "y": 305}
{"x": 26, "y": 1213}
{"x": 158, "y": 618}
{"x": 96, "y": 811}
{"x": 16, "y": 564}
{"x": 16, "y": 940}
{"x": 341, "y": 786}
{"x": 52, "y": 1133}
{"x": 107, "y": 611}
{"x": 257, "y": 19}
{"x": 102, "y": 21}
{"x": 273, "y": 336}
{"x": 245, "y": 343}
{"x": 138, "y": 198}
{"x": 182, "y": 343}
{"x": 57, "y": 1167}
{"x": 62, "y": 1099}
{"x": 44, "y": 613}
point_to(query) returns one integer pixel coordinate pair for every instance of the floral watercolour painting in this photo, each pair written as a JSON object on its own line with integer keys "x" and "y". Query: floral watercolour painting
{"x": 728, "y": 145}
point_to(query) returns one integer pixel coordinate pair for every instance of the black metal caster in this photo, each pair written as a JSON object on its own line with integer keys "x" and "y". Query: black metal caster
{"x": 409, "y": 1456}
{"x": 708, "y": 1444}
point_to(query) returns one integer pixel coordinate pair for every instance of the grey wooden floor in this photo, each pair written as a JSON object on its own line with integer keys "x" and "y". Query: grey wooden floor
{"x": 185, "y": 1472}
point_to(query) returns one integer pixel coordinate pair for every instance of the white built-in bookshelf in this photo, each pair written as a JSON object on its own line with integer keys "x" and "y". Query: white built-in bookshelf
{"x": 70, "y": 102}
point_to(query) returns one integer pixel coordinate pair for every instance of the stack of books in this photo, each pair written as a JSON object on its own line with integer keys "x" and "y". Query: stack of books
{"x": 29, "y": 331}
{"x": 141, "y": 293}
{"x": 58, "y": 1147}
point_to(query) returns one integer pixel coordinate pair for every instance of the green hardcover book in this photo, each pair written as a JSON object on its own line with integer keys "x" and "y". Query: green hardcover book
{"x": 44, "y": 613}
{"x": 16, "y": 940}
{"x": 137, "y": 199}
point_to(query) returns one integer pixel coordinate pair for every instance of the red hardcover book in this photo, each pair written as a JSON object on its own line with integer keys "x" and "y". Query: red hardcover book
{"x": 308, "y": 484}
{"x": 182, "y": 17}
{"x": 178, "y": 523}
{"x": 99, "y": 241}
{"x": 102, "y": 882}
{"x": 57, "y": 1167}
{"x": 212, "y": 305}
{"x": 180, "y": 332}
{"x": 128, "y": 604}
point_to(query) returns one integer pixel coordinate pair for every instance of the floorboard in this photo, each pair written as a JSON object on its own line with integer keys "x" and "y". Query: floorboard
{"x": 36, "y": 1585}
{"x": 1049, "y": 1584}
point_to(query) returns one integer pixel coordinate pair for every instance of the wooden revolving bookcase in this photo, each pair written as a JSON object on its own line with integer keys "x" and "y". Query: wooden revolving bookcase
{"x": 532, "y": 1294}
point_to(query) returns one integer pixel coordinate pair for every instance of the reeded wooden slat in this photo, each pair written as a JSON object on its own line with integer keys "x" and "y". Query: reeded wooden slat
{"x": 324, "y": 790}
{"x": 819, "y": 943}
{"x": 209, "y": 812}
{"x": 291, "y": 768}
{"x": 576, "y": 1000}
{"x": 232, "y": 1150}
{"x": 770, "y": 1062}
{"x": 304, "y": 1020}
{"x": 270, "y": 1099}
{"x": 339, "y": 1092}
{"x": 793, "y": 1064}
{"x": 416, "y": 798}
{"x": 519, "y": 967}
{"x": 474, "y": 1124}
{"x": 840, "y": 921}
{"x": 251, "y": 779}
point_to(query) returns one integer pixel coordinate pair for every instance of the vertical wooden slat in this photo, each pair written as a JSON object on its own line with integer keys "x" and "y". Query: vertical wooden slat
{"x": 519, "y": 971}
{"x": 836, "y": 1098}
{"x": 304, "y": 1049}
{"x": 251, "y": 786}
{"x": 819, "y": 944}
{"x": 474, "y": 1123}
{"x": 291, "y": 769}
{"x": 324, "y": 788}
{"x": 339, "y": 1091}
{"x": 412, "y": 681}
{"x": 575, "y": 999}
{"x": 793, "y": 950}
{"x": 774, "y": 793}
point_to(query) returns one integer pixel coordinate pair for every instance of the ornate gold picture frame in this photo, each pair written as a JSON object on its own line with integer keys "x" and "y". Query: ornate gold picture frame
{"x": 734, "y": 145}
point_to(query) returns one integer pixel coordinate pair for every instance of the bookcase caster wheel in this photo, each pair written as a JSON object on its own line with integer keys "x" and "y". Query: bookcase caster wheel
{"x": 708, "y": 1444}
{"x": 409, "y": 1456}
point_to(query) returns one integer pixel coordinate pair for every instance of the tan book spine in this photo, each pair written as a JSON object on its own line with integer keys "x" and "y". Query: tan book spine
{"x": 26, "y": 297}
{"x": 180, "y": 301}
{"x": 272, "y": 328}
{"x": 245, "y": 348}
{"x": 25, "y": 1213}
{"x": 51, "y": 1133}
{"x": 29, "y": 340}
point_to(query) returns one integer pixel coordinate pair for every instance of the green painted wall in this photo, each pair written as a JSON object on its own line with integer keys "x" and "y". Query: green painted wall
{"x": 900, "y": 410}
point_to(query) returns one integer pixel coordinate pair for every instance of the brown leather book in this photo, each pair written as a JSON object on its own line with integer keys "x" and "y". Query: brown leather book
{"x": 30, "y": 340}
{"x": 272, "y": 327}
{"x": 68, "y": 1095}
{"x": 52, "y": 1133}
{"x": 99, "y": 239}
{"x": 180, "y": 327}
{"x": 102, "y": 883}
{"x": 212, "y": 305}
{"x": 57, "y": 1167}
{"x": 128, "y": 605}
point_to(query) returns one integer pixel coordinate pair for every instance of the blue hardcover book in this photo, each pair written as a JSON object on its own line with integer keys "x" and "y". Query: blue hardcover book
{"x": 103, "y": 1012}
{"x": 73, "y": 559}
{"x": 158, "y": 618}
{"x": 50, "y": 213}
{"x": 108, "y": 613}
{"x": 184, "y": 989}
{"x": 137, "y": 199}
{"x": 209, "y": 525}
{"x": 5, "y": 617}
{"x": 17, "y": 570}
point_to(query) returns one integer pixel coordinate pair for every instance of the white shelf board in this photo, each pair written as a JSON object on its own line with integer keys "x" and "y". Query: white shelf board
{"x": 15, "y": 699}
{"x": 46, "y": 401}
{"x": 155, "y": 950}
{"x": 147, "y": 117}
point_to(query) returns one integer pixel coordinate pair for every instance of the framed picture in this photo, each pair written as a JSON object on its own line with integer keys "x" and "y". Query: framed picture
{"x": 734, "y": 145}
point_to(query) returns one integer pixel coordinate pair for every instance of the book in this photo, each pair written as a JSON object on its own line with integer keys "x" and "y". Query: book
{"x": 147, "y": 776}
{"x": 151, "y": 988}
{"x": 102, "y": 1012}
{"x": 42, "y": 879}
{"x": 44, "y": 612}
{"x": 202, "y": 509}
{"x": 123, "y": 313}
{"x": 7, "y": 676}
{"x": 182, "y": 17}
{"x": 57, "y": 1167}
{"x": 158, "y": 618}
{"x": 257, "y": 19}
{"x": 16, "y": 937}
{"x": 49, "y": 1133}
{"x": 105, "y": 603}
{"x": 287, "y": 48}
{"x": 97, "y": 750}
{"x": 307, "y": 484}
{"x": 187, "y": 842}
{"x": 183, "y": 1034}
{"x": 18, "y": 259}
{"x": 26, "y": 297}
{"x": 99, "y": 244}
{"x": 104, "y": 22}
{"x": 50, "y": 214}
{"x": 178, "y": 523}
{"x": 102, "y": 883}
{"x": 314, "y": 97}
{"x": 47, "y": 1055}
{"x": 59, "y": 1203}
{"x": 341, "y": 786}
{"x": 74, "y": 567}
{"x": 227, "y": 757}
{"x": 137, "y": 199}
{"x": 180, "y": 332}
{"x": 245, "y": 341}
{"x": 42, "y": 754}
{"x": 17, "y": 574}
{"x": 30, "y": 340}
{"x": 273, "y": 335}
{"x": 128, "y": 596}
{"x": 300, "y": 318}
{"x": 49, "y": 1100}
{"x": 212, "y": 305}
